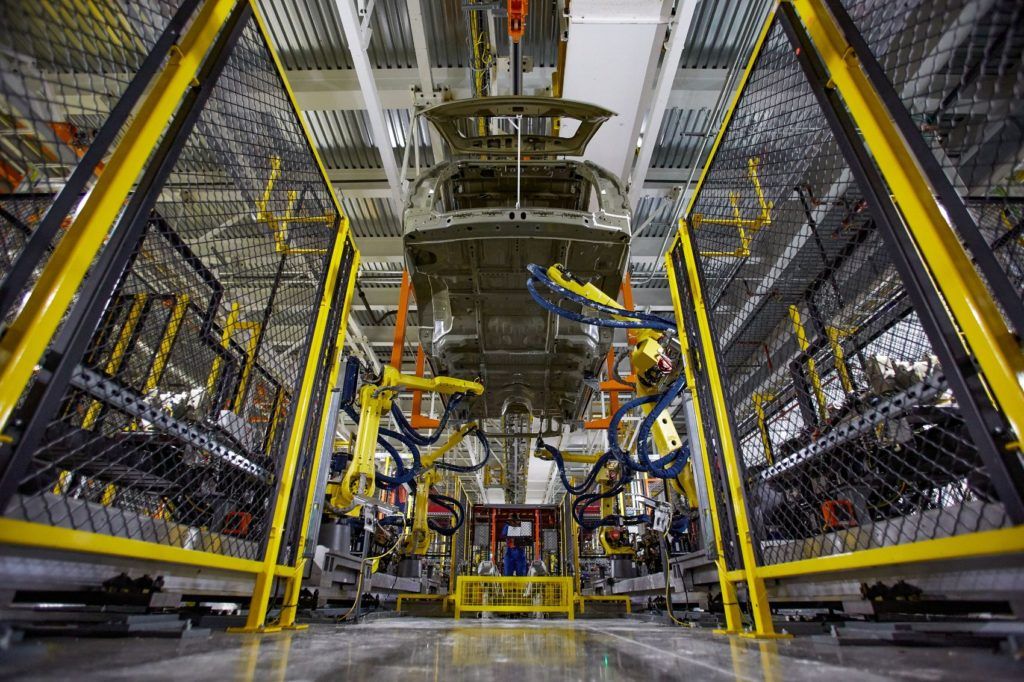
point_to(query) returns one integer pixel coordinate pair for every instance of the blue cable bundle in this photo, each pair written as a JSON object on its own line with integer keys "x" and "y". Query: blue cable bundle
{"x": 458, "y": 514}
{"x": 666, "y": 467}
{"x": 638, "y": 320}
{"x": 415, "y": 436}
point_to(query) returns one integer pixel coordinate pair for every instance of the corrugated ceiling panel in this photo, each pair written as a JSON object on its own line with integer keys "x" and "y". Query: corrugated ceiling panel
{"x": 371, "y": 217}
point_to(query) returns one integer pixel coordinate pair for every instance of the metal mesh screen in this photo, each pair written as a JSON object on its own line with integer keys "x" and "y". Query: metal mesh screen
{"x": 956, "y": 66}
{"x": 849, "y": 436}
{"x": 710, "y": 439}
{"x": 64, "y": 67}
{"x": 514, "y": 595}
{"x": 174, "y": 427}
{"x": 307, "y": 471}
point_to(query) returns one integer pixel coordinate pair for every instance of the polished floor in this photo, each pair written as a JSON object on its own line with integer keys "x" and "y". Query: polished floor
{"x": 492, "y": 650}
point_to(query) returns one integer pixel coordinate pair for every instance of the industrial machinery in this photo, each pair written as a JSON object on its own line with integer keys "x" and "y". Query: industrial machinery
{"x": 366, "y": 514}
{"x": 660, "y": 451}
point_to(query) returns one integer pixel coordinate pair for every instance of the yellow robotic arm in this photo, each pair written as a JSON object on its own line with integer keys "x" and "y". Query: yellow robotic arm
{"x": 649, "y": 362}
{"x": 357, "y": 484}
{"x": 417, "y": 539}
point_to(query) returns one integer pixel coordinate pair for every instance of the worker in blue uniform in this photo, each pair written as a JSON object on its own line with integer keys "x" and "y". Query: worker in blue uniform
{"x": 515, "y": 560}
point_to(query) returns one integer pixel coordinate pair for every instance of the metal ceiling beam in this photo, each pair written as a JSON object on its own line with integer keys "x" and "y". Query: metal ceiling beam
{"x": 338, "y": 89}
{"x": 350, "y": 22}
{"x": 426, "y": 78}
{"x": 662, "y": 91}
{"x": 613, "y": 54}
{"x": 386, "y": 297}
{"x": 390, "y": 248}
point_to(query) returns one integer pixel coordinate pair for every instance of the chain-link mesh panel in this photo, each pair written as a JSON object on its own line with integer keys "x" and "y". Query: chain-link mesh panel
{"x": 64, "y": 66}
{"x": 709, "y": 437}
{"x": 849, "y": 436}
{"x": 956, "y": 66}
{"x": 19, "y": 215}
{"x": 312, "y": 439}
{"x": 461, "y": 549}
{"x": 174, "y": 427}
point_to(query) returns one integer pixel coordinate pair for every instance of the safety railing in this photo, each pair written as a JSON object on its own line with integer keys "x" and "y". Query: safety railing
{"x": 514, "y": 595}
{"x": 177, "y": 408}
{"x": 849, "y": 330}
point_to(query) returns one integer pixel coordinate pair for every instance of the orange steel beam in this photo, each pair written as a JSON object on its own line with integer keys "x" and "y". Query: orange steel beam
{"x": 610, "y": 386}
{"x": 627, "y": 303}
{"x": 418, "y": 421}
{"x": 403, "y": 310}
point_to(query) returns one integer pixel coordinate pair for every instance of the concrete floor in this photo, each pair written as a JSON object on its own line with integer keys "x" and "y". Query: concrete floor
{"x": 492, "y": 650}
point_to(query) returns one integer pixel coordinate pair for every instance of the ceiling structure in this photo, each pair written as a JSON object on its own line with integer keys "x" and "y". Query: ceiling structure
{"x": 360, "y": 68}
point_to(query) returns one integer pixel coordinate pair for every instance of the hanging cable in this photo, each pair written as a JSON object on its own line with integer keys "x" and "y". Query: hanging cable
{"x": 458, "y": 515}
{"x": 458, "y": 468}
{"x": 412, "y": 434}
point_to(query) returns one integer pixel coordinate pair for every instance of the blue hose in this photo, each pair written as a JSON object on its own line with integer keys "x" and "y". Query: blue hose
{"x": 542, "y": 276}
{"x": 583, "y": 319}
{"x": 402, "y": 474}
{"x": 458, "y": 514}
{"x": 674, "y": 460}
{"x": 556, "y": 455}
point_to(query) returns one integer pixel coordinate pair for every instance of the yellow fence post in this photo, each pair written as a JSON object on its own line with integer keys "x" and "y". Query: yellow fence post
{"x": 25, "y": 341}
{"x": 256, "y": 621}
{"x": 758, "y": 595}
{"x": 293, "y": 585}
{"x": 730, "y": 600}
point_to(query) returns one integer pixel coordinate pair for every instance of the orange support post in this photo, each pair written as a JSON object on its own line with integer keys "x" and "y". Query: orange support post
{"x": 536, "y": 535}
{"x": 610, "y": 386}
{"x": 418, "y": 421}
{"x": 403, "y": 311}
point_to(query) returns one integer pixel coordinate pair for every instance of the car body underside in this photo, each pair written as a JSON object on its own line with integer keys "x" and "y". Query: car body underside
{"x": 472, "y": 225}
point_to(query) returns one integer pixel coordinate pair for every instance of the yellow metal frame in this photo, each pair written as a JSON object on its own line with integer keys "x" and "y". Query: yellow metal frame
{"x": 42, "y": 536}
{"x": 279, "y": 224}
{"x": 256, "y": 621}
{"x": 812, "y": 367}
{"x": 566, "y": 603}
{"x": 117, "y": 354}
{"x": 156, "y": 370}
{"x": 758, "y": 595}
{"x": 730, "y": 599}
{"x": 293, "y": 586}
{"x": 742, "y": 225}
{"x": 25, "y": 341}
{"x": 983, "y": 328}
{"x": 760, "y": 400}
{"x": 835, "y": 334}
{"x": 983, "y": 543}
{"x": 29, "y": 335}
{"x": 445, "y": 599}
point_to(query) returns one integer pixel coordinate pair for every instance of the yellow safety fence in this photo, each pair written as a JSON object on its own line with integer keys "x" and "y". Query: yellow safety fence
{"x": 514, "y": 595}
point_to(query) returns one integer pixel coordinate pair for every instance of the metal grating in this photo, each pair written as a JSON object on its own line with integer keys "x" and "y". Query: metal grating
{"x": 849, "y": 434}
{"x": 173, "y": 427}
{"x": 64, "y": 68}
{"x": 956, "y": 66}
